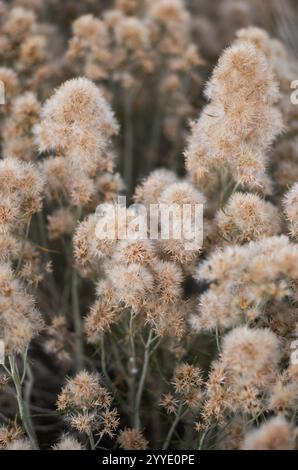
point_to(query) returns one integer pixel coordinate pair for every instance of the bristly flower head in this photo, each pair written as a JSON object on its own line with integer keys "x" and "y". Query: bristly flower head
{"x": 276, "y": 434}
{"x": 83, "y": 392}
{"x": 132, "y": 439}
{"x": 247, "y": 217}
{"x": 236, "y": 128}
{"x": 76, "y": 118}
{"x": 243, "y": 279}
{"x": 291, "y": 209}
{"x": 77, "y": 123}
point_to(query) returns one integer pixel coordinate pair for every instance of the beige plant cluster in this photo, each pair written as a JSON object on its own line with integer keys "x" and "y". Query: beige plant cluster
{"x": 147, "y": 343}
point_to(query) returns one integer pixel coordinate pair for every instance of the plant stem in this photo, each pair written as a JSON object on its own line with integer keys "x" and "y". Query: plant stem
{"x": 27, "y": 392}
{"x": 128, "y": 143}
{"x": 22, "y": 406}
{"x": 20, "y": 261}
{"x": 77, "y": 320}
{"x": 155, "y": 138}
{"x": 202, "y": 439}
{"x": 137, "y": 421}
{"x": 45, "y": 246}
{"x": 172, "y": 428}
{"x": 132, "y": 368}
{"x": 91, "y": 441}
{"x": 109, "y": 382}
{"x": 217, "y": 337}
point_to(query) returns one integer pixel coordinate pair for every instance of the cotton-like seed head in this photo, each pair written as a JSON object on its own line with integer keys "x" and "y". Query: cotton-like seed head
{"x": 128, "y": 7}
{"x": 19, "y": 23}
{"x": 138, "y": 251}
{"x": 60, "y": 222}
{"x": 24, "y": 183}
{"x": 186, "y": 378}
{"x": 58, "y": 339}
{"x": 18, "y": 141}
{"x": 112, "y": 17}
{"x": 8, "y": 434}
{"x": 169, "y": 403}
{"x": 19, "y": 319}
{"x": 181, "y": 251}
{"x": 20, "y": 444}
{"x": 9, "y": 213}
{"x": 83, "y": 392}
{"x": 68, "y": 442}
{"x": 236, "y": 67}
{"x": 76, "y": 118}
{"x": 131, "y": 33}
{"x": 276, "y": 434}
{"x": 82, "y": 240}
{"x": 33, "y": 50}
{"x": 150, "y": 190}
{"x": 244, "y": 278}
{"x": 110, "y": 422}
{"x": 110, "y": 185}
{"x": 258, "y": 37}
{"x": 291, "y": 209}
{"x": 241, "y": 121}
{"x": 168, "y": 319}
{"x": 84, "y": 423}
{"x": 251, "y": 355}
{"x": 26, "y": 108}
{"x": 283, "y": 397}
{"x": 89, "y": 249}
{"x": 100, "y": 318}
{"x": 168, "y": 278}
{"x": 247, "y": 217}
{"x": 90, "y": 31}
{"x": 226, "y": 265}
{"x": 181, "y": 193}
{"x": 132, "y": 284}
{"x": 169, "y": 12}
{"x": 132, "y": 439}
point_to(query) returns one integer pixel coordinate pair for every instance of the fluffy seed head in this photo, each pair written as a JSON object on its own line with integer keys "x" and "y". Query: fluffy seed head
{"x": 276, "y": 434}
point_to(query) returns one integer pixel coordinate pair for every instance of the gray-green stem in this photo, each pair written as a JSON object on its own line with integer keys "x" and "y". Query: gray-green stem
{"x": 137, "y": 419}
{"x": 173, "y": 427}
{"x": 77, "y": 320}
{"x": 128, "y": 144}
{"x": 23, "y": 405}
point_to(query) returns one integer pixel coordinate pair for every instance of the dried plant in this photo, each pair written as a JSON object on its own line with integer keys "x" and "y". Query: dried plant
{"x": 151, "y": 342}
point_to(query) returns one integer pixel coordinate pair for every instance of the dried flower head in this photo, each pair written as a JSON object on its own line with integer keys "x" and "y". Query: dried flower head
{"x": 236, "y": 128}
{"x": 77, "y": 123}
{"x": 132, "y": 439}
{"x": 9, "y": 434}
{"x": 243, "y": 279}
{"x": 68, "y": 442}
{"x": 19, "y": 23}
{"x": 247, "y": 217}
{"x": 169, "y": 403}
{"x": 291, "y": 209}
{"x": 253, "y": 355}
{"x": 61, "y": 222}
{"x": 20, "y": 444}
{"x": 20, "y": 321}
{"x": 83, "y": 392}
{"x": 276, "y": 434}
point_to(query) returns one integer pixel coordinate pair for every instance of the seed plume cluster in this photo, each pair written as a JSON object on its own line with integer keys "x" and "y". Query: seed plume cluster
{"x": 111, "y": 113}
